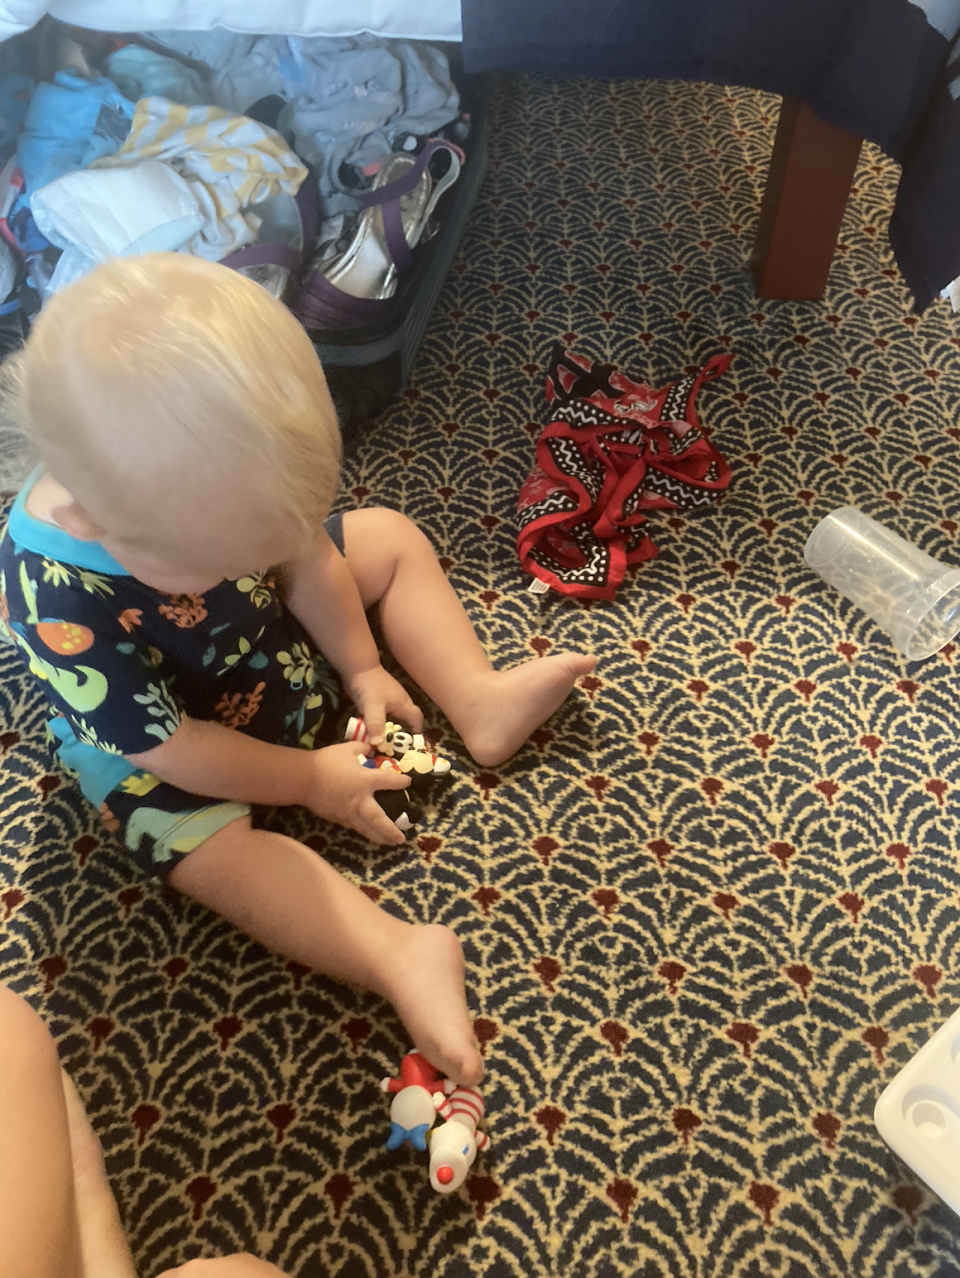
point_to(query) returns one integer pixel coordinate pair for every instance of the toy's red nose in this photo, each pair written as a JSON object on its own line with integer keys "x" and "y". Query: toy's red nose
{"x": 444, "y": 1175}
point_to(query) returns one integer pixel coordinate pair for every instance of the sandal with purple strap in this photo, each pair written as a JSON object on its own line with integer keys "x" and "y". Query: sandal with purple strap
{"x": 288, "y": 229}
{"x": 352, "y": 287}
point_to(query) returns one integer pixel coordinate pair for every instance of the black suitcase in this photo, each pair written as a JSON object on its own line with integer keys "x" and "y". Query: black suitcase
{"x": 366, "y": 367}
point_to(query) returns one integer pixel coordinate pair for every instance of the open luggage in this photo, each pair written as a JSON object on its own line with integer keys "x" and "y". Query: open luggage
{"x": 414, "y": 201}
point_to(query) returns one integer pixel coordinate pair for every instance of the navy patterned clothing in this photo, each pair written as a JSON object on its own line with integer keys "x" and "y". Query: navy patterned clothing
{"x": 121, "y": 662}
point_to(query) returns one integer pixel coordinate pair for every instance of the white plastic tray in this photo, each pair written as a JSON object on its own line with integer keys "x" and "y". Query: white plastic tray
{"x": 918, "y": 1114}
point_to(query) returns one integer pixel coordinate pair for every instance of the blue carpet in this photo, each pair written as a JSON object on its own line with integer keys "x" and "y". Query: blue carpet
{"x": 709, "y": 912}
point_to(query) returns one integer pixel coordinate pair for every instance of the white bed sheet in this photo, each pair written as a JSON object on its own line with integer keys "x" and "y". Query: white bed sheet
{"x": 406, "y": 19}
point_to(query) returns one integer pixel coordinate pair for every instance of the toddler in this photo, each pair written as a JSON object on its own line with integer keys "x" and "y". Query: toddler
{"x": 197, "y": 618}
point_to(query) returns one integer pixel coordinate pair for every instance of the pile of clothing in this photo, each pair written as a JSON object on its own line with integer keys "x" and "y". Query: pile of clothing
{"x": 244, "y": 149}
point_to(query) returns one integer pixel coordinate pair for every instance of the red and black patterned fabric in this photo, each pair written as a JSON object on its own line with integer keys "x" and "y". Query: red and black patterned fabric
{"x": 613, "y": 450}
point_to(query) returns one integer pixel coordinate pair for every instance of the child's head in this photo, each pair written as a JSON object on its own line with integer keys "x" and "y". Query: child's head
{"x": 186, "y": 412}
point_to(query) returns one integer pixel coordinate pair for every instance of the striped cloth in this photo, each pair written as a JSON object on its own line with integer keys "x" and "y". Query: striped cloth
{"x": 230, "y": 161}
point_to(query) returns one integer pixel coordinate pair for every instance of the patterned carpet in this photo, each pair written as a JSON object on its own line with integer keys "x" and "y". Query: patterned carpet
{"x": 709, "y": 912}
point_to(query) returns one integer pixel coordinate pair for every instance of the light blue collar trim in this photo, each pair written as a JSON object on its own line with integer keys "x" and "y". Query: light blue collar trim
{"x": 48, "y": 540}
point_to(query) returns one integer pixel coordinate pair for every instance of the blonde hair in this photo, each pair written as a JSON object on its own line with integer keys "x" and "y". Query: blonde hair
{"x": 153, "y": 378}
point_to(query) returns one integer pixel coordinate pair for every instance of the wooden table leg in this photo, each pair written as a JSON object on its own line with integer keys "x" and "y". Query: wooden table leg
{"x": 808, "y": 183}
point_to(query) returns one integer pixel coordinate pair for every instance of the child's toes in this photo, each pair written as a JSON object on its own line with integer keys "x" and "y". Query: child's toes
{"x": 468, "y": 1067}
{"x": 462, "y": 1064}
{"x": 470, "y": 1070}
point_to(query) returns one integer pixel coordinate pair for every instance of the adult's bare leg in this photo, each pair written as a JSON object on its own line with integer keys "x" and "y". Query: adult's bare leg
{"x": 103, "y": 1243}
{"x": 39, "y": 1229}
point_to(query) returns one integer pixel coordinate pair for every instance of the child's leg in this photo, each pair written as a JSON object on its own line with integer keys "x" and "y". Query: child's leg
{"x": 430, "y": 634}
{"x": 295, "y": 903}
{"x": 57, "y": 1215}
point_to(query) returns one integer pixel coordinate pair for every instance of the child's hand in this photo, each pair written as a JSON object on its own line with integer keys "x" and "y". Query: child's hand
{"x": 378, "y": 696}
{"x": 343, "y": 792}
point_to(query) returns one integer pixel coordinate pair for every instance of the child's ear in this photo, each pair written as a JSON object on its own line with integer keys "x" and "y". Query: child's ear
{"x": 73, "y": 519}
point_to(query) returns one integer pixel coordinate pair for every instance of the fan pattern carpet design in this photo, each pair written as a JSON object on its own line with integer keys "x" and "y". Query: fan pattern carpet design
{"x": 708, "y": 911}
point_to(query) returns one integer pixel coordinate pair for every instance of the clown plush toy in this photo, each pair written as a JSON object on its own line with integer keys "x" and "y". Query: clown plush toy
{"x": 419, "y": 1093}
{"x": 454, "y": 1146}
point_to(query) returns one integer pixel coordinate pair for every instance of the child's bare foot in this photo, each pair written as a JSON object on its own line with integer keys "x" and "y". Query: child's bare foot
{"x": 426, "y": 988}
{"x": 506, "y": 706}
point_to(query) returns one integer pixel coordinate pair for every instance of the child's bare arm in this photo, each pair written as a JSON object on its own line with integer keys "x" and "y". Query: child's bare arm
{"x": 206, "y": 758}
{"x": 320, "y": 591}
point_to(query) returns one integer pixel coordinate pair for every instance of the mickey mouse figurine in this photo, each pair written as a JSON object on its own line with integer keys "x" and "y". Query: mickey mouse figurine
{"x": 403, "y": 752}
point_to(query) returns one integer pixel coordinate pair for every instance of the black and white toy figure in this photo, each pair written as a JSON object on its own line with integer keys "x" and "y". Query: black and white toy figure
{"x": 404, "y": 752}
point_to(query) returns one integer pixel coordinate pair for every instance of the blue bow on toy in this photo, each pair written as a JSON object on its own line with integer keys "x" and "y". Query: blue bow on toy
{"x": 417, "y": 1136}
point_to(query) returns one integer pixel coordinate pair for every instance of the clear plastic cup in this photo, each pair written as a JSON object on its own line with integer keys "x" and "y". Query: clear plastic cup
{"x": 914, "y": 598}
